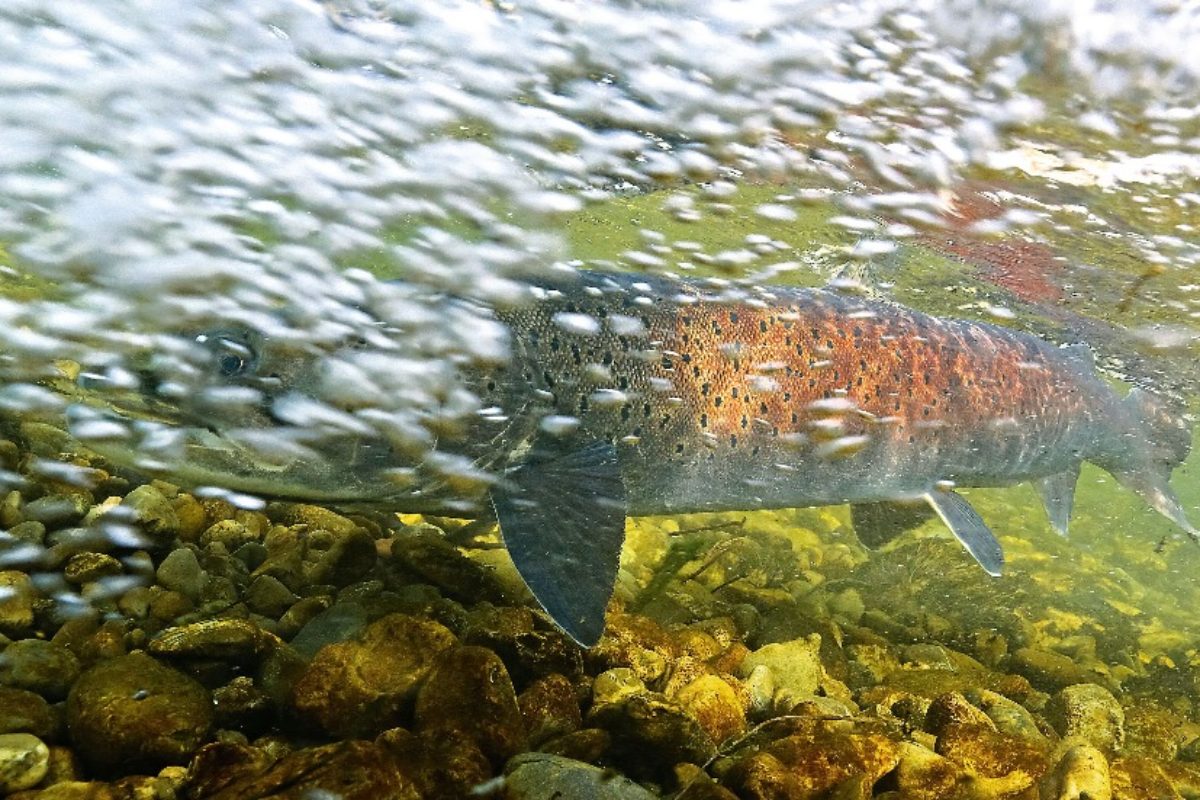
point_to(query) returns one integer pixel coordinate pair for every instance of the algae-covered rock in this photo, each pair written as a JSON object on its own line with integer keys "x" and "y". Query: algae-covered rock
{"x": 84, "y": 568}
{"x": 353, "y": 770}
{"x": 134, "y": 713}
{"x": 987, "y": 753}
{"x": 26, "y": 712}
{"x": 650, "y": 733}
{"x": 24, "y": 761}
{"x": 469, "y": 691}
{"x": 712, "y": 702}
{"x": 443, "y": 765}
{"x": 541, "y": 776}
{"x": 1137, "y": 778}
{"x": 362, "y": 687}
{"x": 1081, "y": 774}
{"x": 39, "y": 666}
{"x": 922, "y": 774}
{"x": 808, "y": 765}
{"x": 16, "y": 603}
{"x": 1090, "y": 713}
{"x": 1048, "y": 670}
{"x": 549, "y": 708}
{"x": 636, "y": 642}
{"x": 953, "y": 709}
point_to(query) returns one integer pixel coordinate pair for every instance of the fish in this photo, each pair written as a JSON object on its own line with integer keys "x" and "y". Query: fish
{"x": 627, "y": 395}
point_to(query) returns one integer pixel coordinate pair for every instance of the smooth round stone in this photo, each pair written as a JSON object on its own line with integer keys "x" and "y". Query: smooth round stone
{"x": 542, "y": 776}
{"x": 24, "y": 760}
{"x": 134, "y": 713}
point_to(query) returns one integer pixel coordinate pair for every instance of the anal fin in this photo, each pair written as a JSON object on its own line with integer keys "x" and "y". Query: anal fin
{"x": 969, "y": 528}
{"x": 876, "y": 524}
{"x": 562, "y": 516}
{"x": 1058, "y": 496}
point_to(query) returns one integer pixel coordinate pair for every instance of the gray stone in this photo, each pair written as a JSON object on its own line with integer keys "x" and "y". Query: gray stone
{"x": 57, "y": 510}
{"x": 24, "y": 761}
{"x": 153, "y": 513}
{"x": 542, "y": 776}
{"x": 180, "y": 571}
{"x": 268, "y": 596}
{"x": 39, "y": 666}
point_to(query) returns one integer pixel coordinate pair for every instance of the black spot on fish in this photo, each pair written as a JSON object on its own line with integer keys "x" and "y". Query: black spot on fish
{"x": 732, "y": 440}
{"x": 704, "y": 388}
{"x": 762, "y": 326}
{"x": 733, "y": 316}
{"x": 704, "y": 420}
{"x": 718, "y": 401}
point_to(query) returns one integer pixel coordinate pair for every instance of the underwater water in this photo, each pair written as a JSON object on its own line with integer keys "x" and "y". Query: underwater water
{"x": 297, "y": 298}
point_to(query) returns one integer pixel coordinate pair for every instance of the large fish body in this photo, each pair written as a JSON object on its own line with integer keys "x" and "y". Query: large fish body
{"x": 626, "y": 395}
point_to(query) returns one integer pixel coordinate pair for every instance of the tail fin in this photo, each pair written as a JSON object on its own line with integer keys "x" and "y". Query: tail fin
{"x": 1168, "y": 435}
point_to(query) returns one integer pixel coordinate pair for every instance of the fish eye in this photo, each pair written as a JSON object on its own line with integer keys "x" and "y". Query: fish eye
{"x": 232, "y": 354}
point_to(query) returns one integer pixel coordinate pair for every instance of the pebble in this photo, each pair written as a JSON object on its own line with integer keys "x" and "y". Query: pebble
{"x": 1048, "y": 670}
{"x": 153, "y": 513}
{"x": 57, "y": 510}
{"x": 541, "y": 776}
{"x": 795, "y": 666}
{"x": 24, "y": 761}
{"x": 231, "y": 534}
{"x": 84, "y": 568}
{"x": 16, "y": 603}
{"x": 1007, "y": 715}
{"x": 362, "y": 687}
{"x": 549, "y": 708}
{"x": 266, "y": 595}
{"x": 29, "y": 532}
{"x": 181, "y": 572}
{"x": 469, "y": 691}
{"x": 134, "y": 713}
{"x": 39, "y": 666}
{"x": 954, "y": 709}
{"x": 22, "y": 711}
{"x": 1090, "y": 713}
{"x": 234, "y": 640}
{"x": 714, "y": 704}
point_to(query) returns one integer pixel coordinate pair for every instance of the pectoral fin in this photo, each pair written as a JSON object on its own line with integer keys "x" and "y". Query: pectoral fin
{"x": 562, "y": 516}
{"x": 969, "y": 528}
{"x": 876, "y": 524}
{"x": 1058, "y": 495}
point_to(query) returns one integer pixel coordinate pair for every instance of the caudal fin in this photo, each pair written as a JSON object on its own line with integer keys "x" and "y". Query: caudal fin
{"x": 1168, "y": 438}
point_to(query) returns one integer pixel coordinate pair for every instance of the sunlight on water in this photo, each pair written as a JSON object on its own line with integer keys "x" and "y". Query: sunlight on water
{"x": 546, "y": 261}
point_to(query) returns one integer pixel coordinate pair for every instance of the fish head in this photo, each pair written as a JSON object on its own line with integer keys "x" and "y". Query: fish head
{"x": 231, "y": 407}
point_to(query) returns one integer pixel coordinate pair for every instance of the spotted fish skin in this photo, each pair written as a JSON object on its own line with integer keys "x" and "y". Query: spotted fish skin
{"x": 789, "y": 398}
